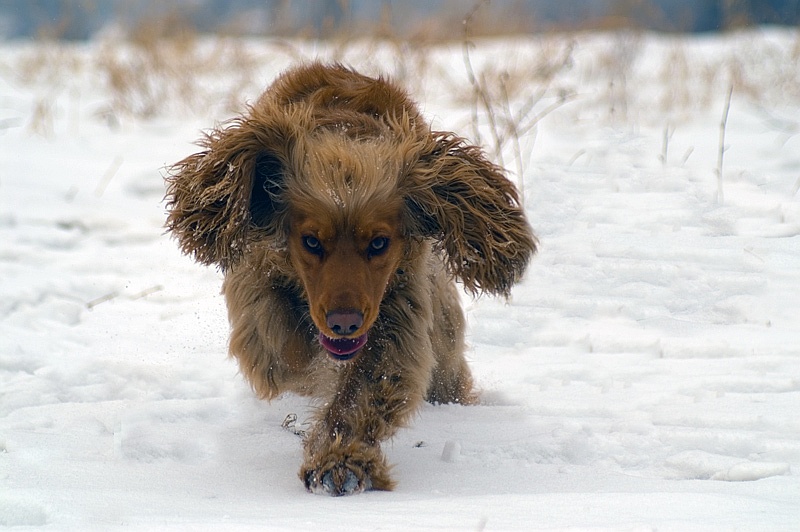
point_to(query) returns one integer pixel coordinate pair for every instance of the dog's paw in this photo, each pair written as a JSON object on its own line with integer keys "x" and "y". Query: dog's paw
{"x": 347, "y": 471}
{"x": 337, "y": 481}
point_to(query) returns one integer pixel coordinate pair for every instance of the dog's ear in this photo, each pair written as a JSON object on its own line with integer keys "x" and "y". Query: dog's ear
{"x": 466, "y": 203}
{"x": 228, "y": 194}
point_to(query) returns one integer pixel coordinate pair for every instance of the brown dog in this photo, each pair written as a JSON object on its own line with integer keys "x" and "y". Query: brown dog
{"x": 340, "y": 220}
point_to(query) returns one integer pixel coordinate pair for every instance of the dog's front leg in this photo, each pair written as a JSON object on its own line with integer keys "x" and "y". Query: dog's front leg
{"x": 375, "y": 397}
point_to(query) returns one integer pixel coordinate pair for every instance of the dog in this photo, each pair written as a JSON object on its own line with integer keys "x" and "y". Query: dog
{"x": 341, "y": 221}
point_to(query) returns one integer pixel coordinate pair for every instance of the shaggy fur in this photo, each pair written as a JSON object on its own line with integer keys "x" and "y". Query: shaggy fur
{"x": 340, "y": 221}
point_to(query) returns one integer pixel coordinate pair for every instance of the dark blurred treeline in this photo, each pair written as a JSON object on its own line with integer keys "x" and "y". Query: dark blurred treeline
{"x": 442, "y": 19}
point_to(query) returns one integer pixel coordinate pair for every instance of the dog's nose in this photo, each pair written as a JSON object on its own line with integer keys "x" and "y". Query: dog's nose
{"x": 344, "y": 322}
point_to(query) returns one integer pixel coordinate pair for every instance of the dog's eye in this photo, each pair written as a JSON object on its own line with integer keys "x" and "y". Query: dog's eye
{"x": 312, "y": 244}
{"x": 378, "y": 245}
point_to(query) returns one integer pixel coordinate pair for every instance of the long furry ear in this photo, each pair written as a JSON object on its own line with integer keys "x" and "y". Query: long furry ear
{"x": 222, "y": 197}
{"x": 461, "y": 199}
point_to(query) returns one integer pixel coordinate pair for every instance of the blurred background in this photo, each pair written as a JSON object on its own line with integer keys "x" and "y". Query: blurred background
{"x": 407, "y": 19}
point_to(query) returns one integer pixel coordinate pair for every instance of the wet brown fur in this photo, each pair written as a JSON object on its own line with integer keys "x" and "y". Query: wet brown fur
{"x": 347, "y": 159}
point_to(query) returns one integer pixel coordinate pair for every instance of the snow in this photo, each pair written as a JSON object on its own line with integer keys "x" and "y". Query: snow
{"x": 645, "y": 375}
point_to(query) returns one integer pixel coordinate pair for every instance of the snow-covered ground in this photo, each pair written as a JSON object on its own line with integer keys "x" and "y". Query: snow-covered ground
{"x": 646, "y": 375}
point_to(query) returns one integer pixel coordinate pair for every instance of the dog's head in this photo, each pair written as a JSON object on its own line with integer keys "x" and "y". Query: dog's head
{"x": 340, "y": 174}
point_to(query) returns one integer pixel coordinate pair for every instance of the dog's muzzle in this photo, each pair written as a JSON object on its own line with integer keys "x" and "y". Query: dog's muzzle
{"x": 343, "y": 323}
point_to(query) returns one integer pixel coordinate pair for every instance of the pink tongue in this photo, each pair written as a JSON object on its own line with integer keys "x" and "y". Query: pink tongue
{"x": 342, "y": 346}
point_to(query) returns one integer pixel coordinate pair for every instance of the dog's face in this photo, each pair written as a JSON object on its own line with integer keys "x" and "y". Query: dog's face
{"x": 345, "y": 236}
{"x": 345, "y": 269}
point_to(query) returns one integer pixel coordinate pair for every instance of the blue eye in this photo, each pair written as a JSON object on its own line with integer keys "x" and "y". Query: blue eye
{"x": 378, "y": 245}
{"x": 312, "y": 244}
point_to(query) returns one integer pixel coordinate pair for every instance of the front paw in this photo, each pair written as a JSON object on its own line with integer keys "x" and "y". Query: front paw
{"x": 347, "y": 472}
{"x": 336, "y": 481}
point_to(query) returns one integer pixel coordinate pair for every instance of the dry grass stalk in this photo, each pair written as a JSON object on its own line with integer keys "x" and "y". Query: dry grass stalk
{"x": 108, "y": 175}
{"x": 723, "y": 125}
{"x": 41, "y": 122}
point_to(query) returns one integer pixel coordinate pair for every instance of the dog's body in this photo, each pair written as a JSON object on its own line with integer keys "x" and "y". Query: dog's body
{"x": 340, "y": 221}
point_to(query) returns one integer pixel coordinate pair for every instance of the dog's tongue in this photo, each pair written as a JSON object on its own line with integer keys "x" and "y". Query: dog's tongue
{"x": 342, "y": 348}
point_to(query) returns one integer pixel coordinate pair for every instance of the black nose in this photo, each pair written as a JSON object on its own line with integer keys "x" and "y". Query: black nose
{"x": 344, "y": 322}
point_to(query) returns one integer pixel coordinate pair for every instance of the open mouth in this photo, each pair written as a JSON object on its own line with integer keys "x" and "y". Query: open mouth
{"x": 342, "y": 349}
